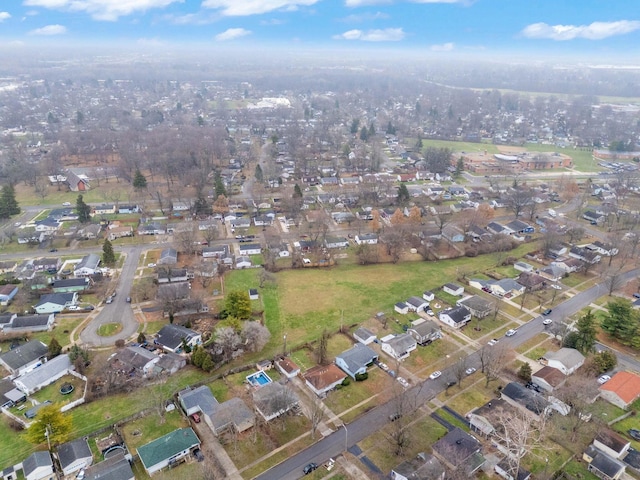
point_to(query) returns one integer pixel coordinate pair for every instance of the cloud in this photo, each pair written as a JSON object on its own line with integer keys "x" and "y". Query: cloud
{"x": 4, "y": 16}
{"x": 239, "y": 8}
{"x": 109, "y": 10}
{"x": 49, "y": 30}
{"x": 385, "y": 35}
{"x": 365, "y": 3}
{"x": 364, "y": 17}
{"x": 191, "y": 19}
{"x": 593, "y": 31}
{"x": 444, "y": 47}
{"x": 232, "y": 34}
{"x": 272, "y": 22}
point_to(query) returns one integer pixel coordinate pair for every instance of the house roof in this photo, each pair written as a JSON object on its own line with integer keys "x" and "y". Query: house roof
{"x": 198, "y": 397}
{"x": 35, "y": 461}
{"x": 288, "y": 365}
{"x": 625, "y": 385}
{"x": 363, "y": 334}
{"x": 175, "y": 290}
{"x": 322, "y": 376}
{"x": 530, "y": 279}
{"x": 232, "y": 412}
{"x": 569, "y": 357}
{"x": 402, "y": 342}
{"x": 112, "y": 468}
{"x": 422, "y": 467}
{"x": 71, "y": 451}
{"x": 166, "y": 446}
{"x": 24, "y": 354}
{"x": 476, "y": 302}
{"x": 172, "y": 273}
{"x": 522, "y": 473}
{"x": 168, "y": 253}
{"x": 603, "y": 462}
{"x": 452, "y": 286}
{"x": 426, "y": 328}
{"x": 273, "y": 398}
{"x": 41, "y": 375}
{"x": 457, "y": 314}
{"x": 357, "y": 357}
{"x": 71, "y": 282}
{"x": 525, "y": 397}
{"x": 416, "y": 302}
{"x": 508, "y": 284}
{"x": 136, "y": 357}
{"x": 493, "y": 409}
{"x": 611, "y": 439}
{"x": 7, "y": 289}
{"x": 171, "y": 335}
{"x": 90, "y": 261}
{"x": 56, "y": 298}
{"x": 552, "y": 376}
{"x": 26, "y": 321}
{"x": 456, "y": 446}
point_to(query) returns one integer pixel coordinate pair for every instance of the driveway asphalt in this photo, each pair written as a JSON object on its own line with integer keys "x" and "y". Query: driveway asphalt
{"x": 119, "y": 311}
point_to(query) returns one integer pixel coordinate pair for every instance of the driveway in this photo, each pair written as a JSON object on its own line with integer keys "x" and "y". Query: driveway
{"x": 119, "y": 311}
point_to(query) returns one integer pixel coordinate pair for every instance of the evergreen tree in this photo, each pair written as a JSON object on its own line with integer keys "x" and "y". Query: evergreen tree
{"x": 364, "y": 134}
{"x": 83, "y": 210}
{"x": 621, "y": 322}
{"x": 141, "y": 338}
{"x": 108, "y": 256}
{"x": 525, "y": 372}
{"x": 372, "y": 130}
{"x": 139, "y": 180}
{"x": 219, "y": 186}
{"x": 586, "y": 333}
{"x": 403, "y": 194}
{"x": 8, "y": 204}
{"x": 54, "y": 349}
{"x": 459, "y": 167}
{"x": 355, "y": 125}
{"x": 258, "y": 174}
{"x": 238, "y": 304}
{"x": 297, "y": 192}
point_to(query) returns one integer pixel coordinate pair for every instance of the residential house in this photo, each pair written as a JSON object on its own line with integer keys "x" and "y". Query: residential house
{"x": 602, "y": 465}
{"x": 87, "y": 266}
{"x": 152, "y": 228}
{"x": 44, "y": 375}
{"x": 593, "y": 217}
{"x": 401, "y": 307}
{"x": 240, "y": 222}
{"x": 507, "y": 471}
{"x": 531, "y": 281}
{"x": 274, "y": 399}
{"x": 135, "y": 360}
{"x": 453, "y": 289}
{"x": 55, "y": 302}
{"x": 416, "y": 304}
{"x": 399, "y": 346}
{"x": 47, "y": 225}
{"x": 119, "y": 232}
{"x": 524, "y": 399}
{"x": 39, "y": 466}
{"x": 243, "y": 262}
{"x": 523, "y": 267}
{"x": 459, "y": 450}
{"x": 250, "y": 249}
{"x": 216, "y": 251}
{"x": 567, "y": 360}
{"x": 366, "y": 239}
{"x": 30, "y": 323}
{"x": 428, "y": 296}
{"x": 611, "y": 443}
{"x": 127, "y": 209}
{"x": 424, "y": 331}
{"x": 486, "y": 419}
{"x": 477, "y": 233}
{"x": 24, "y": 358}
{"x": 168, "y": 256}
{"x": 168, "y": 449}
{"x": 74, "y": 456}
{"x": 47, "y": 264}
{"x": 263, "y": 221}
{"x": 104, "y": 209}
{"x": 455, "y": 317}
{"x": 89, "y": 232}
{"x": 115, "y": 467}
{"x": 7, "y": 292}
{"x": 9, "y": 394}
{"x": 548, "y": 378}
{"x": 552, "y": 273}
{"x": 174, "y": 291}
{"x": 5, "y": 319}
{"x": 288, "y": 367}
{"x": 497, "y": 228}
{"x": 169, "y": 363}
{"x": 336, "y": 242}
{"x": 604, "y": 249}
{"x": 364, "y": 336}
{"x": 453, "y": 233}
{"x": 585, "y": 255}
{"x": 171, "y": 338}
{"x": 558, "y": 250}
{"x": 519, "y": 227}
{"x": 622, "y": 390}
{"x": 477, "y": 305}
{"x": 173, "y": 275}
{"x": 506, "y": 287}
{"x": 422, "y": 467}
{"x": 77, "y": 182}
{"x": 321, "y": 379}
{"x": 356, "y": 360}
{"x": 568, "y": 264}
{"x": 69, "y": 285}
{"x": 8, "y": 266}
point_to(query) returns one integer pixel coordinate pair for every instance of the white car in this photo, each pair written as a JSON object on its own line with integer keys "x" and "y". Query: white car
{"x": 604, "y": 379}
{"x": 470, "y": 371}
{"x": 66, "y": 204}
{"x": 511, "y": 332}
{"x": 492, "y": 342}
{"x": 547, "y": 321}
{"x": 556, "y": 287}
{"x": 73, "y": 307}
{"x": 402, "y": 382}
{"x": 151, "y": 265}
{"x": 435, "y": 374}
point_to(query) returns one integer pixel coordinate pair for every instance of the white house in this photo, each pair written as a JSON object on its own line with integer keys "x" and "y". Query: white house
{"x": 366, "y": 239}
{"x": 399, "y": 346}
{"x": 250, "y": 249}
{"x": 364, "y": 336}
{"x": 456, "y": 317}
{"x": 55, "y": 302}
{"x": 567, "y": 360}
{"x": 428, "y": 296}
{"x": 356, "y": 360}
{"x": 401, "y": 308}
{"x": 74, "y": 456}
{"x": 453, "y": 289}
{"x": 288, "y": 367}
{"x": 45, "y": 375}
{"x": 171, "y": 338}
{"x": 38, "y": 466}
{"x": 87, "y": 266}
{"x": 321, "y": 379}
{"x": 417, "y": 304}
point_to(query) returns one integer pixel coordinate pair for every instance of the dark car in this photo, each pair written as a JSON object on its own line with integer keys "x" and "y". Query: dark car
{"x": 635, "y": 434}
{"x": 547, "y": 312}
{"x": 533, "y": 386}
{"x": 309, "y": 468}
{"x": 89, "y": 307}
{"x": 197, "y": 453}
{"x": 394, "y": 416}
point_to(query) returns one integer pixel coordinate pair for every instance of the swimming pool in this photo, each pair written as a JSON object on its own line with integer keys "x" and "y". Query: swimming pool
{"x": 259, "y": 378}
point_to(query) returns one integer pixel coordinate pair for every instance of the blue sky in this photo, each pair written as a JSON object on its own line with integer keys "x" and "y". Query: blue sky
{"x": 595, "y": 28}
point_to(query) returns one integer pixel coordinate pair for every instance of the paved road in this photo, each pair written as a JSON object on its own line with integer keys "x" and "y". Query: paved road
{"x": 375, "y": 419}
{"x": 118, "y": 311}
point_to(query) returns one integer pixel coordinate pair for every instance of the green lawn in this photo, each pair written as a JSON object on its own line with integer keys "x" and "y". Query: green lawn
{"x": 13, "y": 446}
{"x": 433, "y": 355}
{"x": 485, "y": 325}
{"x": 146, "y": 429}
{"x": 109, "y": 329}
{"x": 52, "y": 392}
{"x": 340, "y": 400}
{"x": 532, "y": 342}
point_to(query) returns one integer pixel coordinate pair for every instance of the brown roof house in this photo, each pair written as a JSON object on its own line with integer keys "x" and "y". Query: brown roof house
{"x": 622, "y": 390}
{"x": 422, "y": 467}
{"x": 288, "y": 367}
{"x": 605, "y": 453}
{"x": 548, "y": 378}
{"x": 322, "y": 379}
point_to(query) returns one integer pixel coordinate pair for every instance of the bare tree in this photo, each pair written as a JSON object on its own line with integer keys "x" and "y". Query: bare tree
{"x": 266, "y": 277}
{"x": 459, "y": 370}
{"x": 394, "y": 241}
{"x": 186, "y": 238}
{"x": 518, "y": 199}
{"x": 578, "y": 393}
{"x": 210, "y": 233}
{"x": 321, "y": 348}
{"x": 228, "y": 341}
{"x": 492, "y": 360}
{"x": 315, "y": 414}
{"x": 255, "y": 336}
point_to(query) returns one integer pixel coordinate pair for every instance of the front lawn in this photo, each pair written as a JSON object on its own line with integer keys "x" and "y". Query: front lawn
{"x": 433, "y": 355}
{"x": 532, "y": 342}
{"x": 146, "y": 429}
{"x": 479, "y": 328}
{"x": 109, "y": 329}
{"x": 356, "y": 392}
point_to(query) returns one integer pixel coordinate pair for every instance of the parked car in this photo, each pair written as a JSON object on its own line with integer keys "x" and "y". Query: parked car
{"x": 635, "y": 434}
{"x": 435, "y": 374}
{"x": 636, "y": 295}
{"x": 604, "y": 379}
{"x": 394, "y": 416}
{"x": 66, "y": 204}
{"x": 128, "y": 299}
{"x": 195, "y": 417}
{"x": 470, "y": 371}
{"x": 547, "y": 321}
{"x": 109, "y": 300}
{"x": 547, "y": 312}
{"x": 197, "y": 453}
{"x": 533, "y": 386}
{"x": 73, "y": 307}
{"x": 310, "y": 467}
{"x": 492, "y": 342}
{"x": 511, "y": 332}
{"x": 89, "y": 307}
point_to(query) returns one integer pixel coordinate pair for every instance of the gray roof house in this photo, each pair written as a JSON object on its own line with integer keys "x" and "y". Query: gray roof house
{"x": 87, "y": 266}
{"x": 196, "y": 400}
{"x": 526, "y": 400}
{"x": 567, "y": 360}
{"x": 399, "y": 346}
{"x": 9, "y": 394}
{"x": 459, "y": 450}
{"x": 170, "y": 337}
{"x": 422, "y": 467}
{"x": 164, "y": 451}
{"x": 24, "y": 358}
{"x": 7, "y": 292}
{"x": 218, "y": 416}
{"x": 45, "y": 375}
{"x": 169, "y": 363}
{"x": 133, "y": 359}
{"x": 364, "y": 335}
{"x": 424, "y": 331}
{"x": 70, "y": 285}
{"x": 478, "y": 306}
{"x": 74, "y": 456}
{"x": 274, "y": 399}
{"x": 456, "y": 317}
{"x": 30, "y": 323}
{"x": 116, "y": 467}
{"x": 168, "y": 256}
{"x": 55, "y": 302}
{"x": 602, "y": 465}
{"x": 38, "y": 466}
{"x": 356, "y": 360}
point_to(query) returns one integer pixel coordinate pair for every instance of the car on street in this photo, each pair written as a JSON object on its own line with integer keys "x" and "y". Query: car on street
{"x": 89, "y": 308}
{"x": 128, "y": 299}
{"x": 310, "y": 467}
{"x": 634, "y": 433}
{"x": 547, "y": 312}
{"x": 435, "y": 374}
{"x": 547, "y": 321}
{"x": 394, "y": 416}
{"x": 151, "y": 265}
{"x": 470, "y": 371}
{"x": 492, "y": 342}
{"x": 109, "y": 300}
{"x": 17, "y": 224}
{"x": 73, "y": 307}
{"x": 511, "y": 332}
{"x": 53, "y": 249}
{"x": 602, "y": 379}
{"x": 403, "y": 382}
{"x": 66, "y": 204}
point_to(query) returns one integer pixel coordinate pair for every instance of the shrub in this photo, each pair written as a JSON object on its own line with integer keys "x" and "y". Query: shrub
{"x": 346, "y": 382}
{"x": 361, "y": 377}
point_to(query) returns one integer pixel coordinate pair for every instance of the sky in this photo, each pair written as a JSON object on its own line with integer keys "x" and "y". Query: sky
{"x": 592, "y": 28}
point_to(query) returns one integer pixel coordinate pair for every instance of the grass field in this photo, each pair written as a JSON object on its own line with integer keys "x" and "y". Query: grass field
{"x": 109, "y": 329}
